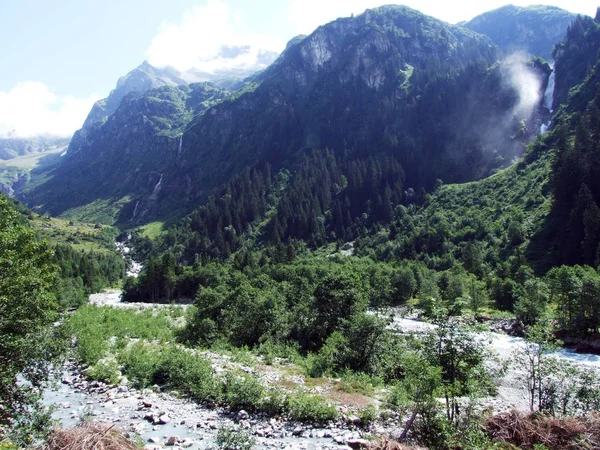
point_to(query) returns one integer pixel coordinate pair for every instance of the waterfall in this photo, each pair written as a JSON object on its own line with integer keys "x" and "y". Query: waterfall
{"x": 135, "y": 209}
{"x": 180, "y": 144}
{"x": 549, "y": 99}
{"x": 549, "y": 94}
{"x": 157, "y": 187}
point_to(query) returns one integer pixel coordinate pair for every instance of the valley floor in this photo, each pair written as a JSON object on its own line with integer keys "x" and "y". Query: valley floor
{"x": 159, "y": 417}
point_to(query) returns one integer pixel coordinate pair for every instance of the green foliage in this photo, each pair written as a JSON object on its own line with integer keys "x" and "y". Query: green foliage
{"x": 244, "y": 392}
{"x": 311, "y": 408}
{"x": 105, "y": 370}
{"x": 94, "y": 326}
{"x": 533, "y": 359}
{"x": 27, "y": 310}
{"x": 229, "y": 439}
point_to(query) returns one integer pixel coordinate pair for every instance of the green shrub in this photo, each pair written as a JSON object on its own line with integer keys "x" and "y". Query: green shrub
{"x": 361, "y": 383}
{"x": 191, "y": 373}
{"x": 311, "y": 408}
{"x": 106, "y": 370}
{"x": 243, "y": 392}
{"x": 274, "y": 401}
{"x": 367, "y": 415}
{"x": 229, "y": 439}
{"x": 94, "y": 326}
{"x": 141, "y": 362}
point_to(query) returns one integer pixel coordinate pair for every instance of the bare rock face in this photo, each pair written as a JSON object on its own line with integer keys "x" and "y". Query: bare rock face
{"x": 316, "y": 50}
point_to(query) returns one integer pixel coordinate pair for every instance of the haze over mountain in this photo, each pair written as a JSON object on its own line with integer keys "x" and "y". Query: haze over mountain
{"x": 533, "y": 30}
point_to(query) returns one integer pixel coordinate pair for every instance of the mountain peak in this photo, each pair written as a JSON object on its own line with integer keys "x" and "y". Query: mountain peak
{"x": 533, "y": 30}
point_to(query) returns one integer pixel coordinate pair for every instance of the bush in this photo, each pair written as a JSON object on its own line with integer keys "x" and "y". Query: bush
{"x": 89, "y": 435}
{"x": 275, "y": 401}
{"x": 229, "y": 439}
{"x": 106, "y": 370}
{"x": 141, "y": 363}
{"x": 191, "y": 373}
{"x": 243, "y": 392}
{"x": 367, "y": 415}
{"x": 311, "y": 408}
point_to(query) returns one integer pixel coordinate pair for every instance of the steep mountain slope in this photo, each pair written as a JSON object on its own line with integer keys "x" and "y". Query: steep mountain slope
{"x": 391, "y": 82}
{"x": 534, "y": 30}
{"x": 141, "y": 79}
{"x": 536, "y": 212}
{"x": 119, "y": 162}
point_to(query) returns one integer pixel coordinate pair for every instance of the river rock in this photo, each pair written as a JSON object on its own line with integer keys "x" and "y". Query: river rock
{"x": 242, "y": 415}
{"x": 164, "y": 419}
{"x": 354, "y": 420}
{"x": 172, "y": 440}
{"x": 154, "y": 440}
{"x": 358, "y": 444}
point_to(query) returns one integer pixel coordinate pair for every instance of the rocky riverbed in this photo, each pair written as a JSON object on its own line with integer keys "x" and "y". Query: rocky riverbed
{"x": 165, "y": 421}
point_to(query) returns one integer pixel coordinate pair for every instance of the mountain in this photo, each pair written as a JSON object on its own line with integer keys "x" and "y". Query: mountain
{"x": 391, "y": 82}
{"x": 231, "y": 65}
{"x": 534, "y": 30}
{"x": 12, "y": 147}
{"x": 122, "y": 160}
{"x": 18, "y": 156}
{"x": 146, "y": 77}
{"x": 506, "y": 231}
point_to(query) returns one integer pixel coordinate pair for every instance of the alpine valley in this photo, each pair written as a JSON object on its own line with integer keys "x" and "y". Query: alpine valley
{"x": 387, "y": 236}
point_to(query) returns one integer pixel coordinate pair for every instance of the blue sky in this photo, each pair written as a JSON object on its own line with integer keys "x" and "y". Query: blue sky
{"x": 61, "y": 55}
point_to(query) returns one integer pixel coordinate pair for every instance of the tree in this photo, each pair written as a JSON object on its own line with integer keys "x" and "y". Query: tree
{"x": 27, "y": 309}
{"x": 531, "y": 358}
{"x": 338, "y": 297}
{"x": 460, "y": 356}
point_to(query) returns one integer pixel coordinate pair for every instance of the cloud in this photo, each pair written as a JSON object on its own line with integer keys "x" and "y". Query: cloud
{"x": 197, "y": 42}
{"x": 31, "y": 109}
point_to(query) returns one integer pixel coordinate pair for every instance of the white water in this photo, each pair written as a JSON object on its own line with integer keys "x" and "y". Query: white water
{"x": 503, "y": 344}
{"x": 135, "y": 267}
{"x": 135, "y": 209}
{"x": 157, "y": 187}
{"x": 549, "y": 100}
{"x": 180, "y": 144}
{"x": 549, "y": 94}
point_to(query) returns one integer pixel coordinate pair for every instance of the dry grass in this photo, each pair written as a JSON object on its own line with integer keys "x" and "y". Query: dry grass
{"x": 89, "y": 436}
{"x": 565, "y": 433}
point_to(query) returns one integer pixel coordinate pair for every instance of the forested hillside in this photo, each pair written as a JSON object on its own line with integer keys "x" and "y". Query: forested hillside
{"x": 487, "y": 243}
{"x": 391, "y": 83}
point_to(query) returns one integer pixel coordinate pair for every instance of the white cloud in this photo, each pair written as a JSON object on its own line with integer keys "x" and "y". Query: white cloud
{"x": 196, "y": 42}
{"x": 31, "y": 109}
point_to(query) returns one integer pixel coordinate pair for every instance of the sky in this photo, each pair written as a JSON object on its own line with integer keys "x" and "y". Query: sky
{"x": 60, "y": 56}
